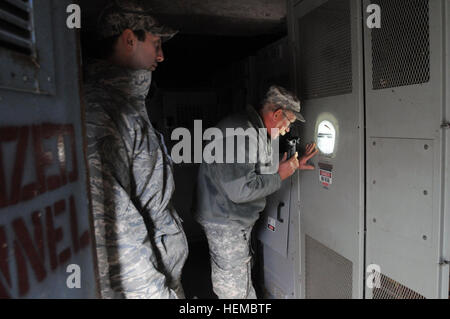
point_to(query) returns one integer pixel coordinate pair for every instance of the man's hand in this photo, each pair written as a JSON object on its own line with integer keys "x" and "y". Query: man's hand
{"x": 311, "y": 151}
{"x": 288, "y": 167}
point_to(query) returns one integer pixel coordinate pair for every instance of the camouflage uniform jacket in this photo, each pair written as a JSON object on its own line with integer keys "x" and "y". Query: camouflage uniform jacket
{"x": 235, "y": 193}
{"x": 131, "y": 183}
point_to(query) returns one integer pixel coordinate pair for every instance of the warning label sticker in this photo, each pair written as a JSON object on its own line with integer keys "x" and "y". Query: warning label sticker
{"x": 325, "y": 177}
{"x": 271, "y": 223}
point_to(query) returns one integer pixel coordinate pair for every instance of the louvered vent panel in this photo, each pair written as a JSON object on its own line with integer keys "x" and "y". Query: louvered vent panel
{"x": 391, "y": 289}
{"x": 328, "y": 274}
{"x": 16, "y": 26}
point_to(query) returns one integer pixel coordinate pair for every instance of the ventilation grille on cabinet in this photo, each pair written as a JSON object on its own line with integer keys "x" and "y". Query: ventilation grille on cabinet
{"x": 390, "y": 289}
{"x": 326, "y": 51}
{"x": 328, "y": 274}
{"x": 401, "y": 47}
{"x": 16, "y": 26}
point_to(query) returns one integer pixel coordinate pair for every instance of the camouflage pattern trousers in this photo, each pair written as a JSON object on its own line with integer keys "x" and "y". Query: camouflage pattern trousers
{"x": 230, "y": 253}
{"x": 172, "y": 254}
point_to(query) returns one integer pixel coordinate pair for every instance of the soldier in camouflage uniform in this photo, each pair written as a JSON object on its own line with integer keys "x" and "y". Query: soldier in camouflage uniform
{"x": 230, "y": 196}
{"x": 141, "y": 245}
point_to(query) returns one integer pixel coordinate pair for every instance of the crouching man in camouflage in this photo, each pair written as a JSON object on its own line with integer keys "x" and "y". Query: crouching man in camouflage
{"x": 230, "y": 196}
{"x": 141, "y": 246}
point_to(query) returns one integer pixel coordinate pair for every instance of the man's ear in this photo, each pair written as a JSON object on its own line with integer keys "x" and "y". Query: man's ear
{"x": 277, "y": 114}
{"x": 128, "y": 40}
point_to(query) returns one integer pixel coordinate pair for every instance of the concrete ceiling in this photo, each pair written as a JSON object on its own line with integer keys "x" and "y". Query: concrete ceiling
{"x": 209, "y": 17}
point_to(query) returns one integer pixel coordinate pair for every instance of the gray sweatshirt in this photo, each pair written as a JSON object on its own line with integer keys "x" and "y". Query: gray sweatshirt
{"x": 235, "y": 193}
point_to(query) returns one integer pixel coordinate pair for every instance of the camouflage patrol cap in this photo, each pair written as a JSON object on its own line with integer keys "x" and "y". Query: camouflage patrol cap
{"x": 282, "y": 98}
{"x": 120, "y": 15}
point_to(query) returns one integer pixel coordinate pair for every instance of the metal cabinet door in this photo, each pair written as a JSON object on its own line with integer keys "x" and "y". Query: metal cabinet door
{"x": 406, "y": 70}
{"x": 46, "y": 243}
{"x": 274, "y": 223}
{"x": 278, "y": 232}
{"x": 329, "y": 76}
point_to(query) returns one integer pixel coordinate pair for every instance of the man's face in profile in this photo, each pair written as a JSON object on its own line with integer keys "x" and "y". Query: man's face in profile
{"x": 148, "y": 53}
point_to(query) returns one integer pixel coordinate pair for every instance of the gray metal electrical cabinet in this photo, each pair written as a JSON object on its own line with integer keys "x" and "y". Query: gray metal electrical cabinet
{"x": 406, "y": 92}
{"x": 46, "y": 243}
{"x": 278, "y": 232}
{"x": 329, "y": 82}
{"x": 374, "y": 216}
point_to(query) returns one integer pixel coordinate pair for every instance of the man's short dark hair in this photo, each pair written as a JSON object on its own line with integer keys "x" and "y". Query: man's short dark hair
{"x": 106, "y": 46}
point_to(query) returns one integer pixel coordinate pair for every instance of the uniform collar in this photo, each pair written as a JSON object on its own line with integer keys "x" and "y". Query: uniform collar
{"x": 133, "y": 83}
{"x": 254, "y": 117}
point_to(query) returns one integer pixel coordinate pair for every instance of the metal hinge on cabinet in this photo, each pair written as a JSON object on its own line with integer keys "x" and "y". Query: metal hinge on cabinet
{"x": 444, "y": 262}
{"x": 445, "y": 125}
